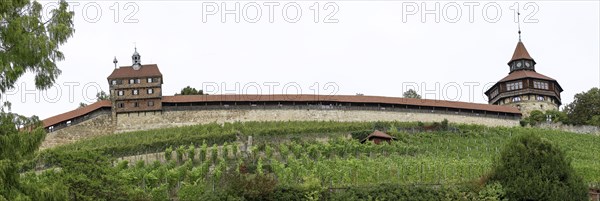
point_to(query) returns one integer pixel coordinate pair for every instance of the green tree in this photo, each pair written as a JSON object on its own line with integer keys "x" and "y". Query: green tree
{"x": 584, "y": 107}
{"x": 557, "y": 116}
{"x": 82, "y": 104}
{"x": 411, "y": 93}
{"x": 88, "y": 175}
{"x": 191, "y": 91}
{"x": 101, "y": 96}
{"x": 29, "y": 43}
{"x": 595, "y": 121}
{"x": 532, "y": 168}
{"x": 17, "y": 143}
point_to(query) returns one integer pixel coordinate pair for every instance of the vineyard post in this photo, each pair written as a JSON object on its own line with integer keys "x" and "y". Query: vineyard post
{"x": 421, "y": 175}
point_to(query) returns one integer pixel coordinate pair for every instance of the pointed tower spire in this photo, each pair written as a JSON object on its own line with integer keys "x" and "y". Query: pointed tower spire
{"x": 521, "y": 60}
{"x": 520, "y": 52}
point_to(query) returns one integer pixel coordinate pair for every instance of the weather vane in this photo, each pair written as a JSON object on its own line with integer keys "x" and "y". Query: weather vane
{"x": 519, "y": 23}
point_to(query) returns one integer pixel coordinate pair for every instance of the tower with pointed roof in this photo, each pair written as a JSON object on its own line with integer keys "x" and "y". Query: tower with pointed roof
{"x": 524, "y": 87}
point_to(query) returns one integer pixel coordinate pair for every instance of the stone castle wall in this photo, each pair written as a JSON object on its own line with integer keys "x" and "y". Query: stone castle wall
{"x": 153, "y": 120}
{"x": 96, "y": 126}
{"x": 101, "y": 124}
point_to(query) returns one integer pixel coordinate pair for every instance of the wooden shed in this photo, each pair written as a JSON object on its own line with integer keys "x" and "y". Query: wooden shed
{"x": 378, "y": 137}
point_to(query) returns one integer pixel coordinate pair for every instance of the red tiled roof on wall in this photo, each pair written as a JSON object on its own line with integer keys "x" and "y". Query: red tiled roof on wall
{"x": 75, "y": 113}
{"x": 298, "y": 98}
{"x": 340, "y": 98}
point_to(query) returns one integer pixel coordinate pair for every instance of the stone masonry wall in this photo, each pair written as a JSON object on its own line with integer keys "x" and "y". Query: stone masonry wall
{"x": 97, "y": 126}
{"x": 153, "y": 120}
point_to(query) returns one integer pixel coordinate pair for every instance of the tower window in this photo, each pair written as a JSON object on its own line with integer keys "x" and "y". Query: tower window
{"x": 540, "y": 98}
{"x": 516, "y": 99}
{"x": 149, "y": 80}
{"x": 136, "y": 104}
{"x": 150, "y": 103}
{"x": 114, "y": 82}
{"x": 540, "y": 85}
{"x": 150, "y": 91}
{"x": 137, "y": 81}
{"x": 120, "y": 105}
{"x": 494, "y": 93}
{"x": 135, "y": 92}
{"x": 514, "y": 86}
{"x": 121, "y": 93}
{"x": 131, "y": 81}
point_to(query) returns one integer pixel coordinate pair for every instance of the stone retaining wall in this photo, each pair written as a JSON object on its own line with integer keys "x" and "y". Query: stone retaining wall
{"x": 153, "y": 120}
{"x": 101, "y": 124}
{"x": 96, "y": 126}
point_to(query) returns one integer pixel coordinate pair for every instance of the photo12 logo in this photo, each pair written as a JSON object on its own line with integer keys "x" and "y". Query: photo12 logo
{"x": 454, "y": 12}
{"x": 93, "y": 12}
{"x": 254, "y": 12}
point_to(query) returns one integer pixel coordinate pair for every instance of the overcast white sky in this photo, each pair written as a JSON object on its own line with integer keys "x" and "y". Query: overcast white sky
{"x": 375, "y": 48}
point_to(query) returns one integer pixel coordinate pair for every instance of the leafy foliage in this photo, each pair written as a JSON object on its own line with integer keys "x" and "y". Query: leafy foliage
{"x": 584, "y": 108}
{"x": 536, "y": 117}
{"x": 19, "y": 138}
{"x": 191, "y": 91}
{"x": 411, "y": 93}
{"x": 101, "y": 96}
{"x": 532, "y": 168}
{"x": 424, "y": 165}
{"x": 87, "y": 175}
{"x": 30, "y": 44}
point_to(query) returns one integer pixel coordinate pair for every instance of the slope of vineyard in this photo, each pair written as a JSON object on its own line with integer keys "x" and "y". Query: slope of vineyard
{"x": 205, "y": 156}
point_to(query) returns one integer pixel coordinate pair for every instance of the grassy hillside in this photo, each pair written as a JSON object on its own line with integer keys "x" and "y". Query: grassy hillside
{"x": 442, "y": 156}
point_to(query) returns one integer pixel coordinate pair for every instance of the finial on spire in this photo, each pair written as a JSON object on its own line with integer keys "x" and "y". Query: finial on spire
{"x": 115, "y": 61}
{"x": 519, "y": 23}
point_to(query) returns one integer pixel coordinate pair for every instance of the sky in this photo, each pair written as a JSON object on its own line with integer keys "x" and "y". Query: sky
{"x": 445, "y": 50}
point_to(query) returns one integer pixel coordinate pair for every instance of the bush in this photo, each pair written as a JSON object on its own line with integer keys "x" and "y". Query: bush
{"x": 536, "y": 117}
{"x": 523, "y": 123}
{"x": 444, "y": 125}
{"x": 168, "y": 153}
{"x": 360, "y": 135}
{"x": 532, "y": 168}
